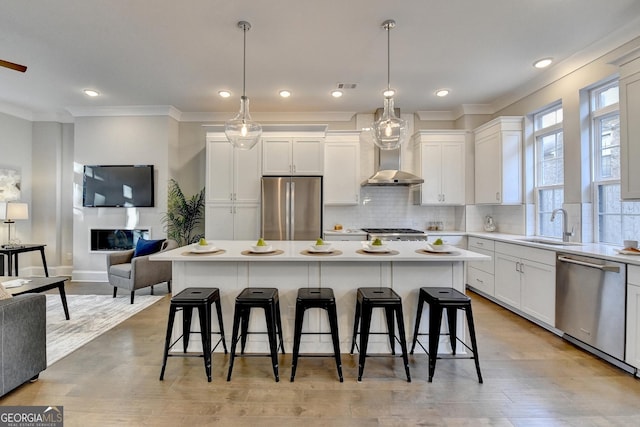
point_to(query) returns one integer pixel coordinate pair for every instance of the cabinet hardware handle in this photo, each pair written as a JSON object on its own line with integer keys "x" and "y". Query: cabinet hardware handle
{"x": 522, "y": 268}
{"x": 518, "y": 267}
{"x": 231, "y": 210}
{"x": 230, "y": 196}
{"x": 497, "y": 195}
{"x": 479, "y": 281}
{"x": 443, "y": 197}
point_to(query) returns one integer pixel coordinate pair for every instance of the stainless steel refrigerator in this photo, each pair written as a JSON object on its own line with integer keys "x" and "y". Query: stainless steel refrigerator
{"x": 291, "y": 207}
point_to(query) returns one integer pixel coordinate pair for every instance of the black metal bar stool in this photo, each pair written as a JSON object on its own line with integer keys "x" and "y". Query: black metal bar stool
{"x": 367, "y": 300}
{"x": 266, "y": 298}
{"x": 316, "y": 298}
{"x": 186, "y": 301}
{"x": 451, "y": 300}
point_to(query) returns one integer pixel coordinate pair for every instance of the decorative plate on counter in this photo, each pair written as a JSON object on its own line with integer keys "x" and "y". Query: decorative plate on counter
{"x": 629, "y": 251}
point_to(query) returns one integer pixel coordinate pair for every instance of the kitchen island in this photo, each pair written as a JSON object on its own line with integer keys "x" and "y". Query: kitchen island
{"x": 405, "y": 269}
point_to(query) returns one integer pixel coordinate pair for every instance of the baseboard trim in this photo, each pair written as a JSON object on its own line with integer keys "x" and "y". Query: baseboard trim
{"x": 89, "y": 276}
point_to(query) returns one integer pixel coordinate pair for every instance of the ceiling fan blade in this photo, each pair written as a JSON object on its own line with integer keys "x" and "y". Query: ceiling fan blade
{"x": 13, "y": 66}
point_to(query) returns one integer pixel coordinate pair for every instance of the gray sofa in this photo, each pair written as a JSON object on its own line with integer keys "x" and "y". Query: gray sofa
{"x": 23, "y": 340}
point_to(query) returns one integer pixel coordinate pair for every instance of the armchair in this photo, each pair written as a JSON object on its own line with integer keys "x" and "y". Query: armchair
{"x": 128, "y": 272}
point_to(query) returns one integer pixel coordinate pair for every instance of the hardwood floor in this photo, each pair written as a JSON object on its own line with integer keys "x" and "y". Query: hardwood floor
{"x": 531, "y": 378}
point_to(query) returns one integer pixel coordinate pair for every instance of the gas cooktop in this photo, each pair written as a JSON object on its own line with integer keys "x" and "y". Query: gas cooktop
{"x": 392, "y": 231}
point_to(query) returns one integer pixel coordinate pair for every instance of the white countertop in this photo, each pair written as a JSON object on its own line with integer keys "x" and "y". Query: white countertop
{"x": 292, "y": 251}
{"x": 597, "y": 250}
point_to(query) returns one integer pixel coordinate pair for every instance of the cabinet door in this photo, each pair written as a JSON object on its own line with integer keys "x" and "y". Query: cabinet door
{"x": 342, "y": 173}
{"x": 308, "y": 156}
{"x": 246, "y": 222}
{"x": 247, "y": 175}
{"x": 630, "y": 136}
{"x": 219, "y": 171}
{"x": 453, "y": 174}
{"x": 219, "y": 222}
{"x": 507, "y": 279}
{"x": 431, "y": 173}
{"x": 276, "y": 158}
{"x": 539, "y": 291}
{"x": 487, "y": 171}
{"x": 632, "y": 355}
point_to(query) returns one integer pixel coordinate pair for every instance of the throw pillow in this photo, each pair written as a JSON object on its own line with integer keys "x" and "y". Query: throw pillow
{"x": 147, "y": 247}
{"x": 3, "y": 293}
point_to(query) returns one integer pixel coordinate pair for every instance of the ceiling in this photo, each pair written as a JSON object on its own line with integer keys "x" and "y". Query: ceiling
{"x": 181, "y": 53}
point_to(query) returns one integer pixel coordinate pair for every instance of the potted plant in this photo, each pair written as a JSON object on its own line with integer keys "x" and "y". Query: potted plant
{"x": 184, "y": 215}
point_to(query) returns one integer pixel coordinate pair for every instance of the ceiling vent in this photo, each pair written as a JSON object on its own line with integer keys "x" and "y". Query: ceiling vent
{"x": 347, "y": 85}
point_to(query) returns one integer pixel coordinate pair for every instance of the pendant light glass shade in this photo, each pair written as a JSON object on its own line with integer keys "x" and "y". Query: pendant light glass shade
{"x": 242, "y": 132}
{"x": 389, "y": 131}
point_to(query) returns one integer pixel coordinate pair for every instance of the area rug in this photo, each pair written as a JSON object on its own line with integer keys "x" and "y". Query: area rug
{"x": 91, "y": 316}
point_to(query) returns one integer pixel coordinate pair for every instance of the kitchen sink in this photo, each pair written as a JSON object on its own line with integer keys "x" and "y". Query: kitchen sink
{"x": 549, "y": 242}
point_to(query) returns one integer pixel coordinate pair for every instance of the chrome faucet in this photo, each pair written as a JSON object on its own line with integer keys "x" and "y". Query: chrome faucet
{"x": 566, "y": 234}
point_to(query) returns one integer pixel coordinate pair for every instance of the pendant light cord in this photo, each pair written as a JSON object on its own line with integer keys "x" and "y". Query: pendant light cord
{"x": 244, "y": 60}
{"x": 388, "y": 56}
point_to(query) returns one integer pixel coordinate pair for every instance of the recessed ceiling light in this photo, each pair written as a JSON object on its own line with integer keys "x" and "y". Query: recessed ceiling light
{"x": 336, "y": 93}
{"x": 285, "y": 93}
{"x": 224, "y": 94}
{"x": 543, "y": 63}
{"x": 91, "y": 92}
{"x": 442, "y": 92}
{"x": 388, "y": 93}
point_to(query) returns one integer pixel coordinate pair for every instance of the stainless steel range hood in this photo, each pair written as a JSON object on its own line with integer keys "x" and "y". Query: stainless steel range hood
{"x": 388, "y": 170}
{"x": 387, "y": 166}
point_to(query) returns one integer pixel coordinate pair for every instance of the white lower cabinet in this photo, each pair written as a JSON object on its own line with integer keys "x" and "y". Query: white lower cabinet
{"x": 632, "y": 355}
{"x": 525, "y": 278}
{"x": 232, "y": 222}
{"x": 480, "y": 274}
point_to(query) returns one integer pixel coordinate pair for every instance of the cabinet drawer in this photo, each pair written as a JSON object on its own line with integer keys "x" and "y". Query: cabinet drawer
{"x": 480, "y": 280}
{"x": 480, "y": 243}
{"x": 542, "y": 256}
{"x": 486, "y": 266}
{"x": 633, "y": 275}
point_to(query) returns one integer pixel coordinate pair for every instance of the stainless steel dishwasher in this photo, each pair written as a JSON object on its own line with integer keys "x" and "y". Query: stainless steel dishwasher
{"x": 590, "y": 302}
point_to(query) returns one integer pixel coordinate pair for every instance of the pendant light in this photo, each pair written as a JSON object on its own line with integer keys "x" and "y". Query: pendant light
{"x": 241, "y": 131}
{"x": 389, "y": 131}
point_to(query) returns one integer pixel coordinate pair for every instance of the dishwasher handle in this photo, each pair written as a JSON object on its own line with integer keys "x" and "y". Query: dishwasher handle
{"x": 605, "y": 267}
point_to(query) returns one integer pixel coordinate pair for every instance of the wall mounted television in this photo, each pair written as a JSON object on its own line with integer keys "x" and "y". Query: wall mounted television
{"x": 121, "y": 186}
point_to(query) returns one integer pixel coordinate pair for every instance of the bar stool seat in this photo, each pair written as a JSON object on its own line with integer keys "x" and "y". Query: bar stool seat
{"x": 266, "y": 298}
{"x": 439, "y": 300}
{"x": 186, "y": 301}
{"x": 386, "y": 298}
{"x": 316, "y": 298}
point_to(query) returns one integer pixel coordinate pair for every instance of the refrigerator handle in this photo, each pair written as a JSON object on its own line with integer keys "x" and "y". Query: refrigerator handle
{"x": 287, "y": 213}
{"x": 292, "y": 213}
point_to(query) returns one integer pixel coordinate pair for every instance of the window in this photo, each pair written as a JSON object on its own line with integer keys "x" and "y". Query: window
{"x": 615, "y": 220}
{"x": 549, "y": 172}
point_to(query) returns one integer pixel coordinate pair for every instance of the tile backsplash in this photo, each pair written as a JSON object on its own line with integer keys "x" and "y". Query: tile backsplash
{"x": 392, "y": 207}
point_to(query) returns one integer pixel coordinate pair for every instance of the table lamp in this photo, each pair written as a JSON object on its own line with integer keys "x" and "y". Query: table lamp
{"x": 15, "y": 211}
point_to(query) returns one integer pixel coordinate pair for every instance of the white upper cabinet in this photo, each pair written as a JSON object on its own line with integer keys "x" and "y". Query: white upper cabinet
{"x": 440, "y": 160}
{"x": 293, "y": 156}
{"x": 342, "y": 168}
{"x": 232, "y": 175}
{"x": 630, "y": 126}
{"x": 498, "y": 161}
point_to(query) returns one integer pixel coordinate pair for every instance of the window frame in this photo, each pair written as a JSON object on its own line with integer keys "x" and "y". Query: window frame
{"x": 538, "y": 135}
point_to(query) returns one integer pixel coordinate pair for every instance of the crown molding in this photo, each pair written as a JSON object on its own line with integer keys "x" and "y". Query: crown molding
{"x": 135, "y": 110}
{"x": 18, "y": 112}
{"x": 304, "y": 117}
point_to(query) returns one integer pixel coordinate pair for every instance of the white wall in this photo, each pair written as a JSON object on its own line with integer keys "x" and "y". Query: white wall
{"x": 118, "y": 140}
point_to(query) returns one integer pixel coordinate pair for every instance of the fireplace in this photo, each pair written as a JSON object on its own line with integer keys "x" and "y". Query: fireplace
{"x": 116, "y": 239}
